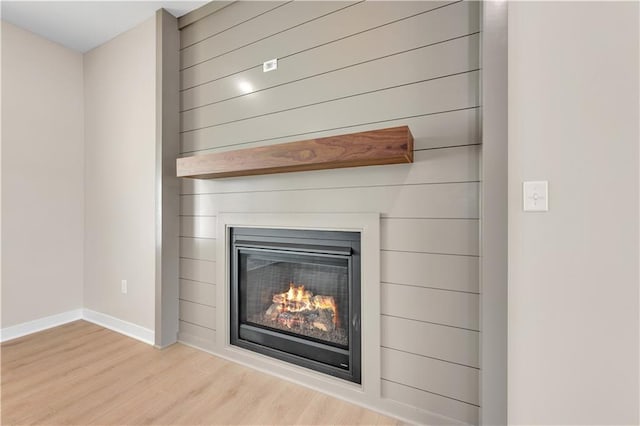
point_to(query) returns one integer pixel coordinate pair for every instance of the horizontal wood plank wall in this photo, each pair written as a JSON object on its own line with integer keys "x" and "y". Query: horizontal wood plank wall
{"x": 346, "y": 67}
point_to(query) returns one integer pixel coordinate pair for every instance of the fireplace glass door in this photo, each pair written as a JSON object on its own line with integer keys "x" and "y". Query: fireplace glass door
{"x": 303, "y": 295}
{"x": 295, "y": 296}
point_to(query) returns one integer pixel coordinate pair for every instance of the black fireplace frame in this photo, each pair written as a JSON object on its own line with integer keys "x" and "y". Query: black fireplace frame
{"x": 316, "y": 355}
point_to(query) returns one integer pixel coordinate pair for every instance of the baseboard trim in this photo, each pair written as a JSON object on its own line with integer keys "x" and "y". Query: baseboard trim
{"x": 107, "y": 321}
{"x": 120, "y": 326}
{"x": 40, "y": 324}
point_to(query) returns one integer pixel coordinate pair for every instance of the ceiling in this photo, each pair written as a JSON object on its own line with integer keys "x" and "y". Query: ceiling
{"x": 83, "y": 25}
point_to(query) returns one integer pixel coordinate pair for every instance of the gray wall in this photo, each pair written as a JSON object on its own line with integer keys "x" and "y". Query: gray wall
{"x": 573, "y": 272}
{"x": 42, "y": 177}
{"x": 347, "y": 67}
{"x": 120, "y": 173}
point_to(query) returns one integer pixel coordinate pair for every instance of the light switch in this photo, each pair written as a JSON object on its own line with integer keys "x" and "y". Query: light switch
{"x": 536, "y": 196}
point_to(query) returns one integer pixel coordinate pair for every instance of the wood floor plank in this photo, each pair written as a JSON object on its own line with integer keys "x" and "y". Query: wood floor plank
{"x": 34, "y": 344}
{"x": 34, "y": 380}
{"x": 80, "y": 373}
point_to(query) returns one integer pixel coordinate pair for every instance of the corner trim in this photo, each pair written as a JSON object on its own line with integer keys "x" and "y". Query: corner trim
{"x": 167, "y": 186}
{"x": 120, "y": 326}
{"x": 40, "y": 324}
{"x": 493, "y": 222}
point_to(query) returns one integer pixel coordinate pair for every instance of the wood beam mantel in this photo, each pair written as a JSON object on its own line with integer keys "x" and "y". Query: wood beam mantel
{"x": 392, "y": 145}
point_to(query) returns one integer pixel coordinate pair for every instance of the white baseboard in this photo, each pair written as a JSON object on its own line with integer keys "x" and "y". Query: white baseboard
{"x": 29, "y": 327}
{"x": 123, "y": 327}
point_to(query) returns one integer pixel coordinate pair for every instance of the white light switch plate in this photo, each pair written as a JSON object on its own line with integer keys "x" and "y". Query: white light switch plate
{"x": 536, "y": 196}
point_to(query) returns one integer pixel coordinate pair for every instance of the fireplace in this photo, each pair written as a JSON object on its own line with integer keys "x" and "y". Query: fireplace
{"x": 295, "y": 296}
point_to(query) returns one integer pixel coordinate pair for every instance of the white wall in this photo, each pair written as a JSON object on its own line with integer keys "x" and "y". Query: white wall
{"x": 42, "y": 177}
{"x": 120, "y": 108}
{"x": 573, "y": 279}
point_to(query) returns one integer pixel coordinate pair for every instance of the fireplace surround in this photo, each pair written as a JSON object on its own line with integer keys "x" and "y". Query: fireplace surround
{"x": 295, "y": 296}
{"x": 367, "y": 224}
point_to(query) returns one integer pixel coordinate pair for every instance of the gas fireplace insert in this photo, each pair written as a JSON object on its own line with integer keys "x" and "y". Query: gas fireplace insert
{"x": 295, "y": 296}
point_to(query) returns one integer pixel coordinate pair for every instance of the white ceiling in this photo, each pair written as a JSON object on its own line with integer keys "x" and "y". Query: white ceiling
{"x": 83, "y": 25}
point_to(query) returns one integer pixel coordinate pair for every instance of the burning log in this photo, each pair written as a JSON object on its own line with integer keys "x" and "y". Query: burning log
{"x": 325, "y": 320}
{"x": 273, "y": 312}
{"x": 327, "y": 304}
{"x": 299, "y": 308}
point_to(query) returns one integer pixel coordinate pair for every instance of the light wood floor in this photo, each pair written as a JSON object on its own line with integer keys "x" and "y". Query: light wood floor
{"x": 82, "y": 374}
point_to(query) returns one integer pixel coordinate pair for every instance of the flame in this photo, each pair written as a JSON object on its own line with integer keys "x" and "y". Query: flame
{"x": 297, "y": 299}
{"x": 299, "y": 295}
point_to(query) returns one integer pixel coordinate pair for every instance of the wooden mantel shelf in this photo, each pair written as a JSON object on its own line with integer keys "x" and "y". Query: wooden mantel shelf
{"x": 393, "y": 145}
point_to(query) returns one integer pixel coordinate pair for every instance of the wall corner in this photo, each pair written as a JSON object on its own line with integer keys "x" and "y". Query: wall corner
{"x": 167, "y": 185}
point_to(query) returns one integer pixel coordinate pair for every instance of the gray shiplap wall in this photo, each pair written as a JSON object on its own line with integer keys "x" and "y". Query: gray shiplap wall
{"x": 346, "y": 67}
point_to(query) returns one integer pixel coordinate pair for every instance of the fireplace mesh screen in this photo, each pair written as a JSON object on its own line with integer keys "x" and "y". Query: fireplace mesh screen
{"x": 303, "y": 295}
